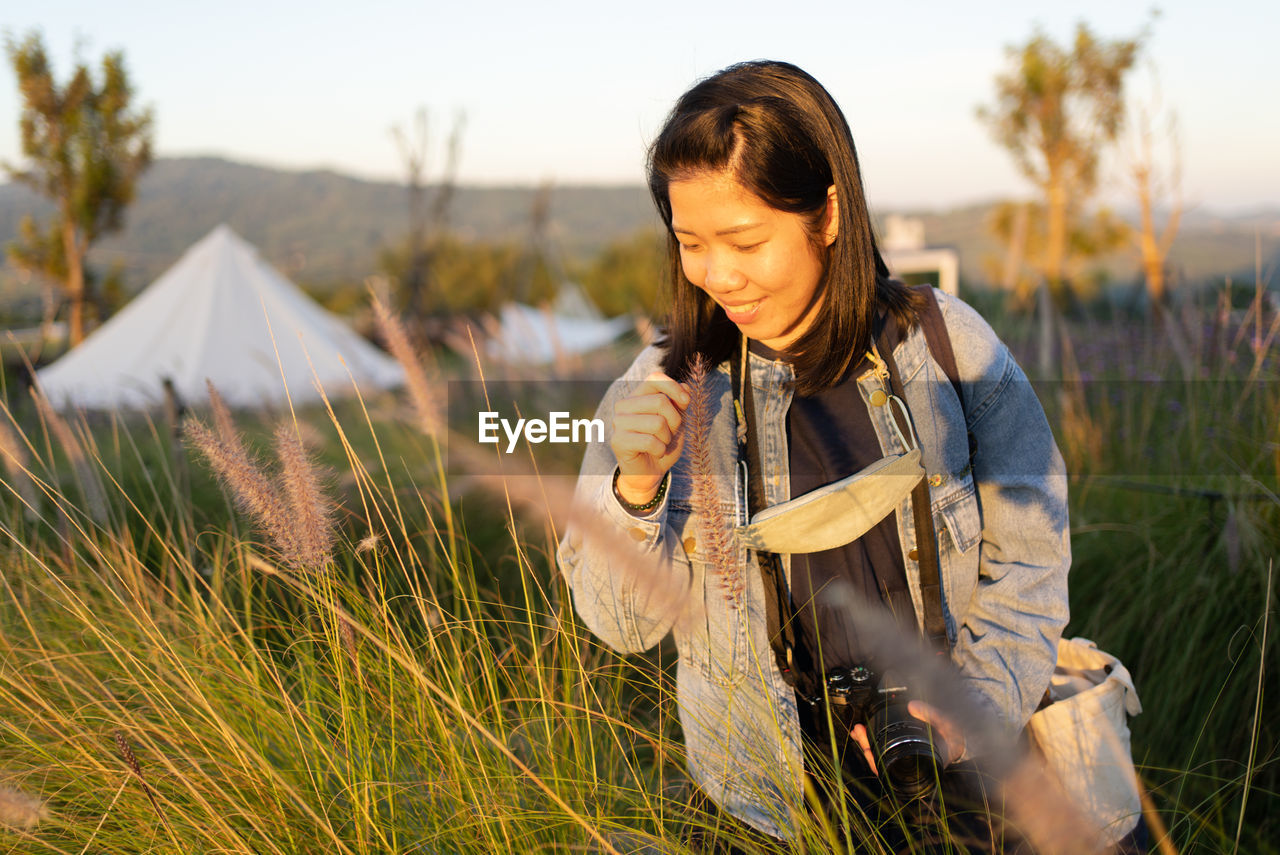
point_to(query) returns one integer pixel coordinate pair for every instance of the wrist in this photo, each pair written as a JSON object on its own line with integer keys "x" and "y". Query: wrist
{"x": 639, "y": 502}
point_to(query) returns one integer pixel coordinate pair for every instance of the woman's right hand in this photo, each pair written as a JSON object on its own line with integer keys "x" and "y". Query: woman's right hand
{"x": 647, "y": 439}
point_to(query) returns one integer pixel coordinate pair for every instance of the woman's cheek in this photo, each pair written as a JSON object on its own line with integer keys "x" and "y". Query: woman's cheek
{"x": 692, "y": 271}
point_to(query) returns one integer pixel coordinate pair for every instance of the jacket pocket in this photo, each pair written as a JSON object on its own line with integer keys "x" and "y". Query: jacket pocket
{"x": 956, "y": 513}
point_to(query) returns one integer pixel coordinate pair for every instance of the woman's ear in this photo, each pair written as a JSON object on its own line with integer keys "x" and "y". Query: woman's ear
{"x": 831, "y": 227}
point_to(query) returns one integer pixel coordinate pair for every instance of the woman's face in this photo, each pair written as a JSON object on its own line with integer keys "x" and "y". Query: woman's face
{"x": 757, "y": 262}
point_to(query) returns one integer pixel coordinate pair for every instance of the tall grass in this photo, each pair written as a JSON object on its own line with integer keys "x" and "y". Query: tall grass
{"x": 1172, "y": 434}
{"x": 177, "y": 678}
{"x": 308, "y": 706}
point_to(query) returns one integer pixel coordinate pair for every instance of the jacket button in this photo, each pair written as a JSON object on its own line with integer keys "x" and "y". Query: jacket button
{"x": 690, "y": 543}
{"x": 636, "y": 533}
{"x": 878, "y": 397}
{"x": 913, "y": 555}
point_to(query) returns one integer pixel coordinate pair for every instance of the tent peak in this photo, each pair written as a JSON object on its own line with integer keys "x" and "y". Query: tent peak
{"x": 224, "y": 233}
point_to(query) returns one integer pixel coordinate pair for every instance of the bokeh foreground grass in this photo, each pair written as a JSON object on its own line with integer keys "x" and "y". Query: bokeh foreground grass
{"x": 173, "y": 681}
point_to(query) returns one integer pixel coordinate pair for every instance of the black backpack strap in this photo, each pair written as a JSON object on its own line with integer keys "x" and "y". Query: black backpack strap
{"x": 938, "y": 341}
{"x": 937, "y": 338}
{"x": 927, "y": 560}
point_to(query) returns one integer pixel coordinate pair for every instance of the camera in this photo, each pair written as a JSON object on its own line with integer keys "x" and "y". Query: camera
{"x": 905, "y": 755}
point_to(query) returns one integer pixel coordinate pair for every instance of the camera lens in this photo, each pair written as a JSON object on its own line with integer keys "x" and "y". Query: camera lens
{"x": 908, "y": 760}
{"x": 911, "y": 767}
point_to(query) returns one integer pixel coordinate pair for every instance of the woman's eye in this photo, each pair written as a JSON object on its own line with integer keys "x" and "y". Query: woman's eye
{"x": 748, "y": 247}
{"x": 689, "y": 247}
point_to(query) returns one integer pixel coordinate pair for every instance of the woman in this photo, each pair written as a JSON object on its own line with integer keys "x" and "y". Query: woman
{"x": 777, "y": 278}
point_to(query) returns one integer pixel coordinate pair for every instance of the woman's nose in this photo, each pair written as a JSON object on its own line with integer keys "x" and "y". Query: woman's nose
{"x": 722, "y": 275}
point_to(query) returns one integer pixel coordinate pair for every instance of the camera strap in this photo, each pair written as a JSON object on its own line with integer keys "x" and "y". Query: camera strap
{"x": 779, "y": 611}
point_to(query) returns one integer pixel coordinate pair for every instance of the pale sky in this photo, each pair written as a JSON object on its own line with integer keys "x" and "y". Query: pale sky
{"x": 572, "y": 91}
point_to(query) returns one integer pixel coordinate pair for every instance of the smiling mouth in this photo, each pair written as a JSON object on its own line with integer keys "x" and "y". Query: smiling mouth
{"x": 741, "y": 309}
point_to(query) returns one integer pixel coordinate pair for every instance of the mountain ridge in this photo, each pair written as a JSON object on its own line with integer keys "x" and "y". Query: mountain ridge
{"x": 324, "y": 229}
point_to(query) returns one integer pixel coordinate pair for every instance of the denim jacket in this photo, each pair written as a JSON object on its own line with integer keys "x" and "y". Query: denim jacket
{"x": 1004, "y": 551}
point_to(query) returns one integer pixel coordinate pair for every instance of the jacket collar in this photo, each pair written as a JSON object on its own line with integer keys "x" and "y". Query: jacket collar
{"x": 909, "y": 354}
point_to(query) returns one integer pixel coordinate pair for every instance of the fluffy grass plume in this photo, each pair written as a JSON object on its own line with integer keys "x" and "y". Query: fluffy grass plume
{"x": 296, "y": 513}
{"x": 715, "y": 532}
{"x": 425, "y": 404}
{"x": 16, "y": 460}
{"x": 251, "y": 489}
{"x": 222, "y": 420}
{"x": 20, "y": 810}
{"x": 308, "y": 504}
{"x": 90, "y": 487}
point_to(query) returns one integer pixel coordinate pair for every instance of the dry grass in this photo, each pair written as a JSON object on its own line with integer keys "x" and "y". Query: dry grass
{"x": 432, "y": 690}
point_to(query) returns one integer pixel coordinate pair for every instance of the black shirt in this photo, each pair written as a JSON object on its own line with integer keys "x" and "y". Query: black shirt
{"x": 829, "y": 437}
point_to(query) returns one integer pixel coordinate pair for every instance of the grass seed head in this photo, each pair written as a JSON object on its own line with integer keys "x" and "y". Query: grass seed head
{"x": 91, "y": 488}
{"x": 249, "y": 486}
{"x": 310, "y": 507}
{"x": 425, "y": 403}
{"x": 714, "y": 530}
{"x": 222, "y": 421}
{"x": 20, "y": 810}
{"x": 126, "y": 751}
{"x": 15, "y": 459}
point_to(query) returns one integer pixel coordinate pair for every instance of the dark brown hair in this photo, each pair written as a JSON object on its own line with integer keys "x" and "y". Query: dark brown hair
{"x": 782, "y": 136}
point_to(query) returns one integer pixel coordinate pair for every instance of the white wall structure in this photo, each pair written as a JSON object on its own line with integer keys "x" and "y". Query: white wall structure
{"x": 904, "y": 250}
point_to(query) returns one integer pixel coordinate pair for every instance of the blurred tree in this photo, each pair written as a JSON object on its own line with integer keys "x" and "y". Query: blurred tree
{"x": 540, "y": 271}
{"x": 1157, "y": 182}
{"x": 474, "y": 277}
{"x": 1021, "y": 227}
{"x": 1055, "y": 110}
{"x": 427, "y": 222}
{"x": 86, "y": 143}
{"x": 628, "y": 275}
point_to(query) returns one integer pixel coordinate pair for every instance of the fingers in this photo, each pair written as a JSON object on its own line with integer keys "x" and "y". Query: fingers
{"x": 947, "y": 735}
{"x": 945, "y": 730}
{"x": 659, "y": 382}
{"x": 864, "y": 742}
{"x": 646, "y": 430}
{"x": 641, "y": 434}
{"x": 657, "y": 395}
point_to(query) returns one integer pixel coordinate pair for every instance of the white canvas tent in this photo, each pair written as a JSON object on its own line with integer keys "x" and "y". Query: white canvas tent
{"x": 224, "y": 314}
{"x": 571, "y": 325}
{"x": 532, "y": 336}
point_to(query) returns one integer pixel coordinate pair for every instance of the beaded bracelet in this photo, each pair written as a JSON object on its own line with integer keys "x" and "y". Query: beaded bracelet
{"x": 647, "y": 506}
